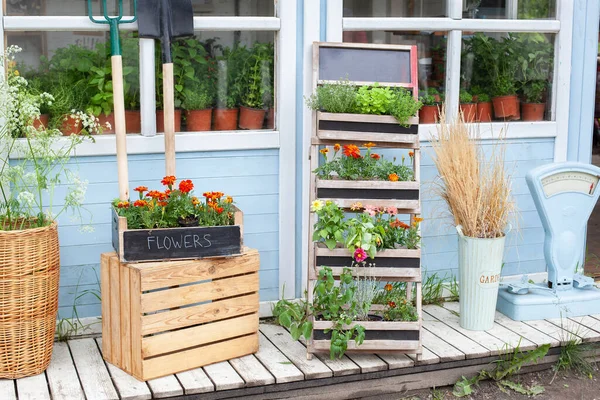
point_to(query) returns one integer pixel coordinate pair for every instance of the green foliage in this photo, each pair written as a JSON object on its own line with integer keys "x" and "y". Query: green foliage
{"x": 465, "y": 97}
{"x": 339, "y": 97}
{"x": 483, "y": 98}
{"x": 102, "y": 94}
{"x": 573, "y": 358}
{"x": 374, "y": 99}
{"x": 519, "y": 388}
{"x": 404, "y": 106}
{"x": 230, "y": 78}
{"x": 428, "y": 100}
{"x": 534, "y": 9}
{"x": 433, "y": 289}
{"x": 197, "y": 97}
{"x": 257, "y": 76}
{"x": 535, "y": 55}
{"x": 331, "y": 225}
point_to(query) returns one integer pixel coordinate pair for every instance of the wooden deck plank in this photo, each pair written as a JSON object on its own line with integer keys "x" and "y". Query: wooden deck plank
{"x": 444, "y": 350}
{"x": 582, "y": 331}
{"x": 368, "y": 362}
{"x": 129, "y": 387}
{"x": 502, "y": 333}
{"x": 93, "y": 374}
{"x": 195, "y": 381}
{"x": 295, "y": 352}
{"x": 33, "y": 388}
{"x": 427, "y": 357}
{"x": 252, "y": 371}
{"x": 339, "y": 366}
{"x": 276, "y": 362}
{"x": 551, "y": 329}
{"x": 224, "y": 376}
{"x": 588, "y": 322}
{"x": 490, "y": 342}
{"x": 522, "y": 329}
{"x": 62, "y": 376}
{"x": 167, "y": 386}
{"x": 7, "y": 388}
{"x": 399, "y": 360}
{"x": 458, "y": 340}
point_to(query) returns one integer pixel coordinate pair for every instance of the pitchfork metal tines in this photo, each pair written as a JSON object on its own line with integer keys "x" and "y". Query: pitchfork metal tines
{"x": 113, "y": 22}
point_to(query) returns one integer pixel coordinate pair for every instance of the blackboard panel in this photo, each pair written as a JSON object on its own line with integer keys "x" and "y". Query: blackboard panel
{"x": 374, "y": 335}
{"x": 380, "y": 194}
{"x": 380, "y": 262}
{"x": 364, "y": 65}
{"x": 353, "y": 126}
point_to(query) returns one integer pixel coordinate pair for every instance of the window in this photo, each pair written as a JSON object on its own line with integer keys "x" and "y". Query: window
{"x": 395, "y": 8}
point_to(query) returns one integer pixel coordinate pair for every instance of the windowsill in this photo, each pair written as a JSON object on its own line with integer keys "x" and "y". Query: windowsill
{"x": 184, "y": 142}
{"x": 508, "y": 130}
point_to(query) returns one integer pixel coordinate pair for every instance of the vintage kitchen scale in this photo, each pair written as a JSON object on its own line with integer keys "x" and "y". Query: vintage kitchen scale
{"x": 565, "y": 195}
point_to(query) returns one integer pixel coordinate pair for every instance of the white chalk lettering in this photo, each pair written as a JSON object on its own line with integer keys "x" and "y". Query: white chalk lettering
{"x": 150, "y": 238}
{"x": 197, "y": 241}
{"x": 186, "y": 242}
{"x": 207, "y": 239}
{"x": 165, "y": 242}
{"x": 177, "y": 243}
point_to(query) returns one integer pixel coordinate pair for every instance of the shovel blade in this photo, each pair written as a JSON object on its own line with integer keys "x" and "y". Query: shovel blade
{"x": 182, "y": 18}
{"x": 164, "y": 19}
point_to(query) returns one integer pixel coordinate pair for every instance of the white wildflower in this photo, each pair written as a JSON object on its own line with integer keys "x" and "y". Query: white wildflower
{"x": 26, "y": 198}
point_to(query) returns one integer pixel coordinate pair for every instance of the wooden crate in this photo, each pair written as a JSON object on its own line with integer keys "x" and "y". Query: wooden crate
{"x": 363, "y": 128}
{"x": 152, "y": 326}
{"x": 133, "y": 245}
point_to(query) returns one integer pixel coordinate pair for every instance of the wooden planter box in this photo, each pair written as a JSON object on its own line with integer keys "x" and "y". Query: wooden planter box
{"x": 379, "y": 336}
{"x": 176, "y": 243}
{"x": 403, "y": 195}
{"x": 363, "y": 128}
{"x": 389, "y": 263}
{"x": 152, "y": 327}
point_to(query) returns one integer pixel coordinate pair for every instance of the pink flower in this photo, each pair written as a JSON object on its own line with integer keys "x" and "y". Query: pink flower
{"x": 371, "y": 210}
{"x": 360, "y": 255}
{"x": 391, "y": 210}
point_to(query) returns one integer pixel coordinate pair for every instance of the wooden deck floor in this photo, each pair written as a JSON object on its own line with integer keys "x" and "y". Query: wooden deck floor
{"x": 280, "y": 368}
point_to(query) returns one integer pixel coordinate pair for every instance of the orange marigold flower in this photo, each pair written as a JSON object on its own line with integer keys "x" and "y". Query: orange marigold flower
{"x": 393, "y": 177}
{"x": 217, "y": 195}
{"x": 411, "y": 154}
{"x": 388, "y": 287}
{"x": 375, "y": 156}
{"x": 336, "y": 147}
{"x": 219, "y": 210}
{"x": 168, "y": 180}
{"x": 155, "y": 194}
{"x": 418, "y": 220}
{"x": 162, "y": 203}
{"x": 186, "y": 186}
{"x": 167, "y": 193}
{"x": 229, "y": 199}
{"x": 140, "y": 203}
{"x": 195, "y": 201}
{"x": 324, "y": 151}
{"x": 141, "y": 189}
{"x": 351, "y": 150}
{"x": 391, "y": 304}
{"x": 396, "y": 223}
{"x": 123, "y": 204}
{"x": 369, "y": 145}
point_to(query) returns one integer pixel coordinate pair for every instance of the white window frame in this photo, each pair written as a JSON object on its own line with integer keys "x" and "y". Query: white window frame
{"x": 454, "y": 24}
{"x": 283, "y": 25}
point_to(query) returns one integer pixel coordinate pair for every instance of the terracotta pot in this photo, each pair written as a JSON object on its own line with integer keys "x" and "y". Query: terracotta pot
{"x": 226, "y": 119}
{"x": 110, "y": 118}
{"x": 271, "y": 118}
{"x": 533, "y": 111}
{"x": 469, "y": 111}
{"x": 160, "y": 121}
{"x": 506, "y": 106}
{"x": 198, "y": 120}
{"x": 70, "y": 126}
{"x": 484, "y": 112}
{"x": 429, "y": 114}
{"x": 517, "y": 116}
{"x": 133, "y": 121}
{"x": 251, "y": 118}
{"x": 41, "y": 122}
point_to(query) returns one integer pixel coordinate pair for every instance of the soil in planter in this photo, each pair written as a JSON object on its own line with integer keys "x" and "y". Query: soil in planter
{"x": 506, "y": 106}
{"x": 533, "y": 111}
{"x": 187, "y": 222}
{"x": 198, "y": 120}
{"x": 251, "y": 118}
{"x": 160, "y": 121}
{"x": 225, "y": 119}
{"x": 103, "y": 119}
{"x": 70, "y": 126}
{"x": 484, "y": 112}
{"x": 133, "y": 121}
{"x": 429, "y": 115}
{"x": 469, "y": 111}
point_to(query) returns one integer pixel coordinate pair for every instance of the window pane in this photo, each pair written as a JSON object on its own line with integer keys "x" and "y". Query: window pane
{"x": 224, "y": 76}
{"x": 75, "y": 68}
{"x": 395, "y": 8}
{"x": 510, "y": 9}
{"x": 510, "y": 69}
{"x": 80, "y": 7}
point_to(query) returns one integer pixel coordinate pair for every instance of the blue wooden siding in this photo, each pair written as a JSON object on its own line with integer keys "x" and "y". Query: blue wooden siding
{"x": 250, "y": 176}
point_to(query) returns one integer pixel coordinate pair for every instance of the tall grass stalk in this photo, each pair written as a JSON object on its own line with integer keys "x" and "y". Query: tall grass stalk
{"x": 476, "y": 188}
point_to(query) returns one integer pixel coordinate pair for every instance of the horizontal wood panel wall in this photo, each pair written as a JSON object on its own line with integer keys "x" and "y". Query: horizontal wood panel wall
{"x": 251, "y": 177}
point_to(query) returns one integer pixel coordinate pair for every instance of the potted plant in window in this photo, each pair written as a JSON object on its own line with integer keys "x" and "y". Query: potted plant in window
{"x": 29, "y": 242}
{"x": 504, "y": 86}
{"x": 131, "y": 78}
{"x": 484, "y": 108}
{"x": 197, "y": 104}
{"x": 467, "y": 107}
{"x": 256, "y": 87}
{"x": 533, "y": 108}
{"x": 101, "y": 100}
{"x": 229, "y": 88}
{"x": 429, "y": 113}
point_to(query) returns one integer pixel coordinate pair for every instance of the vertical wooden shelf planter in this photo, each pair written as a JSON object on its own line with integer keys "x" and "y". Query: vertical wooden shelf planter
{"x": 332, "y": 61}
{"x": 160, "y": 318}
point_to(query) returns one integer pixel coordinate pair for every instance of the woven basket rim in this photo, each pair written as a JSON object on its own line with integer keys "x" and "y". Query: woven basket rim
{"x": 52, "y": 226}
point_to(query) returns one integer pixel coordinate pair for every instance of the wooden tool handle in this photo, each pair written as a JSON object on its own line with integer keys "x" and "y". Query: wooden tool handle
{"x": 121, "y": 135}
{"x": 169, "y": 118}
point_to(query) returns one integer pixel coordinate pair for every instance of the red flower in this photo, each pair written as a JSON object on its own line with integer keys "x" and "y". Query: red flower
{"x": 391, "y": 304}
{"x": 168, "y": 180}
{"x": 167, "y": 193}
{"x": 351, "y": 150}
{"x": 155, "y": 194}
{"x": 360, "y": 255}
{"x": 375, "y": 156}
{"x": 219, "y": 210}
{"x": 162, "y": 203}
{"x": 123, "y": 204}
{"x": 140, "y": 203}
{"x": 388, "y": 287}
{"x": 141, "y": 189}
{"x": 186, "y": 186}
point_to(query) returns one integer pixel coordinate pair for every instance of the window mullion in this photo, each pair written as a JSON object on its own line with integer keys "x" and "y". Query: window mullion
{"x": 453, "y": 51}
{"x": 147, "y": 87}
{"x": 454, "y": 9}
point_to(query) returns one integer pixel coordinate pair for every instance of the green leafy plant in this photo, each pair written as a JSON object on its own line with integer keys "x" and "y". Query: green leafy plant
{"x": 465, "y": 97}
{"x": 403, "y": 106}
{"x": 258, "y": 81}
{"x": 339, "y": 97}
{"x": 396, "y": 308}
{"x": 197, "y": 97}
{"x": 230, "y": 77}
{"x": 428, "y": 100}
{"x": 102, "y": 91}
{"x": 483, "y": 98}
{"x": 573, "y": 356}
{"x": 331, "y": 226}
{"x": 374, "y": 99}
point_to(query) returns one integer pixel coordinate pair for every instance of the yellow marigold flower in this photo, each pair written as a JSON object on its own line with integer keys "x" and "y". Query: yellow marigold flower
{"x": 229, "y": 199}
{"x": 337, "y": 147}
{"x": 369, "y": 145}
{"x": 393, "y": 177}
{"x": 324, "y": 151}
{"x": 317, "y": 205}
{"x": 418, "y": 220}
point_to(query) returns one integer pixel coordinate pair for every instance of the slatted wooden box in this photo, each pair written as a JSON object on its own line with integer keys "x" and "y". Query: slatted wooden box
{"x": 161, "y": 318}
{"x": 133, "y": 245}
{"x": 403, "y": 195}
{"x": 363, "y": 128}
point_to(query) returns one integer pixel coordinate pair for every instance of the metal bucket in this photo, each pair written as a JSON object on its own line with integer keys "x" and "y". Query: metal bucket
{"x": 479, "y": 266}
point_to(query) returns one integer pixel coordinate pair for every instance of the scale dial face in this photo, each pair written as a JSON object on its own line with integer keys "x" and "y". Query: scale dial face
{"x": 570, "y": 181}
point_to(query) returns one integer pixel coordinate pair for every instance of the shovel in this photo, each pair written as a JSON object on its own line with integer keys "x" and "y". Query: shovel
{"x": 118, "y": 96}
{"x": 166, "y": 20}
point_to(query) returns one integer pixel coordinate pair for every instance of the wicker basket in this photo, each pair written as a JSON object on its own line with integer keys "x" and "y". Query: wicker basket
{"x": 29, "y": 274}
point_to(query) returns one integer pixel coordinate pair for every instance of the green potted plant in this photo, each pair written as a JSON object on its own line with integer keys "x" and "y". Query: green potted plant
{"x": 467, "y": 107}
{"x": 535, "y": 58}
{"x": 533, "y": 108}
{"x": 484, "y": 108}
{"x": 429, "y": 113}
{"x": 229, "y": 87}
{"x": 197, "y": 104}
{"x": 504, "y": 85}
{"x": 257, "y": 84}
{"x": 131, "y": 78}
{"x": 101, "y": 100}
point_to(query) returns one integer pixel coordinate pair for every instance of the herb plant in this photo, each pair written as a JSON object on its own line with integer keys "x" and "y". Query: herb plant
{"x": 374, "y": 100}
{"x": 230, "y": 79}
{"x": 102, "y": 94}
{"x": 197, "y": 97}
{"x": 465, "y": 97}
{"x": 483, "y": 98}
{"x": 258, "y": 82}
{"x": 403, "y": 106}
{"x": 428, "y": 100}
{"x": 339, "y": 97}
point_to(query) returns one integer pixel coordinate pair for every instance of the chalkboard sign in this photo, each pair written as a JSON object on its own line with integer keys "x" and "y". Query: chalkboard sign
{"x": 389, "y": 65}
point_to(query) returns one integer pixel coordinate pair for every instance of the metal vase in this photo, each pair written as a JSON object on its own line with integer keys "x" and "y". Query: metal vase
{"x": 479, "y": 266}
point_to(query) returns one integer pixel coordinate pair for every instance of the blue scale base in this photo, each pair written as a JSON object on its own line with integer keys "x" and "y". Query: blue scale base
{"x": 539, "y": 304}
